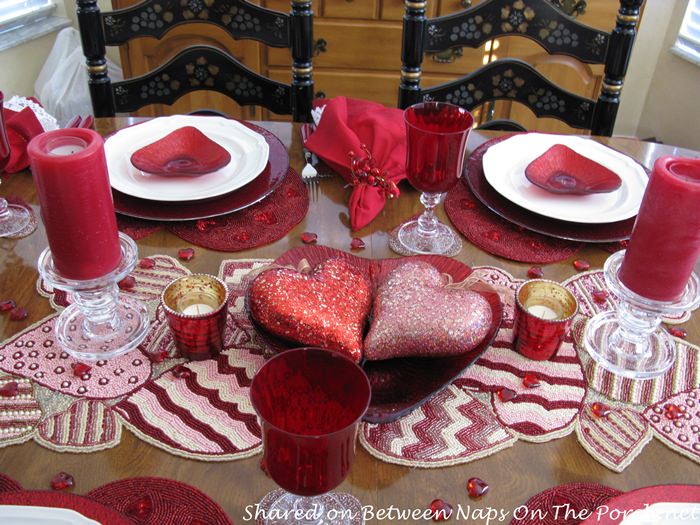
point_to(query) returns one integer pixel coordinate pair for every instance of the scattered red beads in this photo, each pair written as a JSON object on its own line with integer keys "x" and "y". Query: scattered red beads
{"x": 677, "y": 332}
{"x": 182, "y": 372}
{"x": 477, "y": 487}
{"x": 506, "y": 394}
{"x": 140, "y": 508}
{"x": 62, "y": 481}
{"x": 309, "y": 238}
{"x": 127, "y": 283}
{"x": 7, "y": 305}
{"x": 18, "y": 313}
{"x": 80, "y": 369}
{"x": 186, "y": 254}
{"x": 440, "y": 510}
{"x": 10, "y": 389}
{"x": 582, "y": 265}
{"x": 600, "y": 409}
{"x": 531, "y": 380}
{"x": 600, "y": 296}
{"x": 147, "y": 263}
{"x": 535, "y": 272}
{"x": 357, "y": 244}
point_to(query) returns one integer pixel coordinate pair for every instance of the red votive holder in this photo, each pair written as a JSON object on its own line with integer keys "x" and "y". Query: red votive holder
{"x": 543, "y": 314}
{"x": 196, "y": 307}
{"x": 70, "y": 174}
{"x": 665, "y": 241}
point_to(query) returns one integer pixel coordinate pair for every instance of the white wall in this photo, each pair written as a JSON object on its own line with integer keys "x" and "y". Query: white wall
{"x": 660, "y": 98}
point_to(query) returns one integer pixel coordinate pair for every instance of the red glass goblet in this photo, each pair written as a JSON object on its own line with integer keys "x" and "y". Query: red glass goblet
{"x": 310, "y": 402}
{"x": 437, "y": 137}
{"x": 13, "y": 218}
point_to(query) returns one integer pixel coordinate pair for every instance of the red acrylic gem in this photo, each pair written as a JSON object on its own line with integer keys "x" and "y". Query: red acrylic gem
{"x": 677, "y": 332}
{"x": 600, "y": 296}
{"x": 440, "y": 510}
{"x": 80, "y": 369}
{"x": 582, "y": 265}
{"x": 158, "y": 357}
{"x": 308, "y": 238}
{"x": 182, "y": 372}
{"x": 535, "y": 272}
{"x": 672, "y": 411}
{"x": 493, "y": 235}
{"x": 18, "y": 313}
{"x": 600, "y": 410}
{"x": 561, "y": 170}
{"x": 185, "y": 151}
{"x": 531, "y": 380}
{"x": 477, "y": 487}
{"x": 357, "y": 244}
{"x": 62, "y": 481}
{"x": 10, "y": 389}
{"x": 140, "y": 508}
{"x": 506, "y": 394}
{"x": 127, "y": 283}
{"x": 147, "y": 263}
{"x": 186, "y": 254}
{"x": 7, "y": 305}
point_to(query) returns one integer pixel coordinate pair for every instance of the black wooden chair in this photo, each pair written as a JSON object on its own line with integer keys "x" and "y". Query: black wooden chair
{"x": 199, "y": 67}
{"x": 512, "y": 79}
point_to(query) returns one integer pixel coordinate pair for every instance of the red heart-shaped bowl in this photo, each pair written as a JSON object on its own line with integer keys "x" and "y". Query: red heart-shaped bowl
{"x": 402, "y": 384}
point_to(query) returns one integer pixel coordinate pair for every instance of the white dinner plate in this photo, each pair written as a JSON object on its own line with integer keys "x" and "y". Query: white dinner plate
{"x": 249, "y": 154}
{"x": 504, "y": 168}
{"x": 665, "y": 514}
{"x": 24, "y": 515}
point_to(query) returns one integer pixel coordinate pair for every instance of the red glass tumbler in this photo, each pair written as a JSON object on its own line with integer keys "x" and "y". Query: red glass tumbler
{"x": 543, "y": 314}
{"x": 310, "y": 402}
{"x": 437, "y": 135}
{"x": 196, "y": 307}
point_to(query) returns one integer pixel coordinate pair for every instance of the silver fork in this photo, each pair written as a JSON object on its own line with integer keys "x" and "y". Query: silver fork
{"x": 310, "y": 176}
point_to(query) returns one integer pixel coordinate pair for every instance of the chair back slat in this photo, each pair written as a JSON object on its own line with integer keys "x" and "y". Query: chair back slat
{"x": 155, "y": 18}
{"x": 537, "y": 20}
{"x": 515, "y": 80}
{"x": 202, "y": 68}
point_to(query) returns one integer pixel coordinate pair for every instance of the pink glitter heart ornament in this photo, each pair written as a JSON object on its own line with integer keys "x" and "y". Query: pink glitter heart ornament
{"x": 416, "y": 315}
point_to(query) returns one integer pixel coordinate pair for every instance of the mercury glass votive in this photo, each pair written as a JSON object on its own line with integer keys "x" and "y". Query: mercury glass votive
{"x": 196, "y": 307}
{"x": 543, "y": 314}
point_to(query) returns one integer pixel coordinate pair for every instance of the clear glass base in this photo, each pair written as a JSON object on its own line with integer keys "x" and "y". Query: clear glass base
{"x": 101, "y": 323}
{"x": 630, "y": 341}
{"x": 443, "y": 242}
{"x": 647, "y": 360}
{"x": 14, "y": 220}
{"x": 280, "y": 507}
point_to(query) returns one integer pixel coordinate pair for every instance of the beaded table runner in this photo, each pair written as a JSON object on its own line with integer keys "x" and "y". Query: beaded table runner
{"x": 202, "y": 410}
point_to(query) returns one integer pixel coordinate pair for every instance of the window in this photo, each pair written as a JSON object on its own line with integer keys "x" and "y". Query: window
{"x": 19, "y": 13}
{"x": 688, "y": 42}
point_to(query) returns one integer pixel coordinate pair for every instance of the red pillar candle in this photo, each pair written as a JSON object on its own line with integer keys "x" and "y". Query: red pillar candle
{"x": 665, "y": 241}
{"x": 70, "y": 174}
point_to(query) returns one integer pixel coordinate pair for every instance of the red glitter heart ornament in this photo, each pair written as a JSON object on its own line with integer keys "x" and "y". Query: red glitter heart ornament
{"x": 416, "y": 315}
{"x": 327, "y": 308}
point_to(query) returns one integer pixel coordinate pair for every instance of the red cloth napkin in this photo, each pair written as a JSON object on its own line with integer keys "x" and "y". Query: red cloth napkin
{"x": 22, "y": 126}
{"x": 347, "y": 124}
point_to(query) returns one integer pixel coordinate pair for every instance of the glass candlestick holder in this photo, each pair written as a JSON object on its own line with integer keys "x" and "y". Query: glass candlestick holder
{"x": 101, "y": 323}
{"x": 629, "y": 341}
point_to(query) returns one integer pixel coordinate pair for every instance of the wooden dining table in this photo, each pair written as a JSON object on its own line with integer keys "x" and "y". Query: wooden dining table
{"x": 514, "y": 474}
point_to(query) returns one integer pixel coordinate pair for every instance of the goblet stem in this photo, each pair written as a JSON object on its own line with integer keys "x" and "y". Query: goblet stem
{"x": 427, "y": 222}
{"x": 4, "y": 209}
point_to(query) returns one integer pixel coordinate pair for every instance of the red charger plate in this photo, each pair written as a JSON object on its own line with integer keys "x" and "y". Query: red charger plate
{"x": 87, "y": 507}
{"x": 253, "y": 192}
{"x": 473, "y": 176}
{"x": 403, "y": 384}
